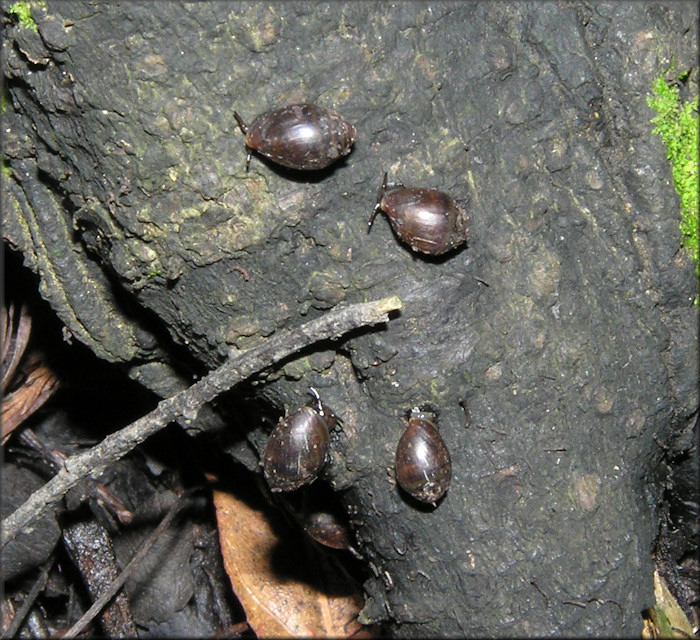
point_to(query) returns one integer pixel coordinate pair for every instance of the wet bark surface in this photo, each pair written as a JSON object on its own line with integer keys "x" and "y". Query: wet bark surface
{"x": 566, "y": 327}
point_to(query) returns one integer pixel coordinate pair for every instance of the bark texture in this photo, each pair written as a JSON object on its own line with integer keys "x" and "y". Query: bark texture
{"x": 566, "y": 327}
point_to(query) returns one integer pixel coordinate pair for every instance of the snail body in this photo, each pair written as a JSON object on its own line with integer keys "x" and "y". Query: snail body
{"x": 428, "y": 220}
{"x": 300, "y": 136}
{"x": 423, "y": 463}
{"x": 297, "y": 448}
{"x": 327, "y": 529}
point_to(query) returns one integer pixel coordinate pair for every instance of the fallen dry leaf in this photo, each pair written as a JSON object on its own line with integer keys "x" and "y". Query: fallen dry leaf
{"x": 30, "y": 381}
{"x": 14, "y": 333}
{"x": 20, "y": 404}
{"x": 279, "y": 605}
{"x": 666, "y": 619}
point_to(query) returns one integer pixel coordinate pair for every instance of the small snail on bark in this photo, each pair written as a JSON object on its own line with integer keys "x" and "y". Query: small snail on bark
{"x": 297, "y": 448}
{"x": 327, "y": 529}
{"x": 319, "y": 513}
{"x": 423, "y": 464}
{"x": 299, "y": 136}
{"x": 428, "y": 220}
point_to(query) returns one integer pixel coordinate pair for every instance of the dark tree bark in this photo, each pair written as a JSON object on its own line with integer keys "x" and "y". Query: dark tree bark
{"x": 566, "y": 327}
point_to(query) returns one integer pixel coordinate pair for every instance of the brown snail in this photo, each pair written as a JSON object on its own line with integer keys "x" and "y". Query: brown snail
{"x": 299, "y": 136}
{"x": 428, "y": 220}
{"x": 423, "y": 464}
{"x": 297, "y": 448}
{"x": 327, "y": 529}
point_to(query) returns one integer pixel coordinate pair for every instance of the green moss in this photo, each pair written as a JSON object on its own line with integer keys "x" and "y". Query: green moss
{"x": 677, "y": 124}
{"x": 23, "y": 13}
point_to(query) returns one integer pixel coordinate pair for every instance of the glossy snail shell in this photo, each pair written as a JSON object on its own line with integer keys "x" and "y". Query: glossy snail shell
{"x": 327, "y": 529}
{"x": 423, "y": 464}
{"x": 428, "y": 220}
{"x": 296, "y": 451}
{"x": 297, "y": 448}
{"x": 299, "y": 136}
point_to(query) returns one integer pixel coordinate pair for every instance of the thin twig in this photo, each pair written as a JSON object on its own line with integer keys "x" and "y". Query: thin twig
{"x": 55, "y": 458}
{"x": 28, "y": 601}
{"x": 187, "y": 403}
{"x": 133, "y": 565}
{"x": 91, "y": 549}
